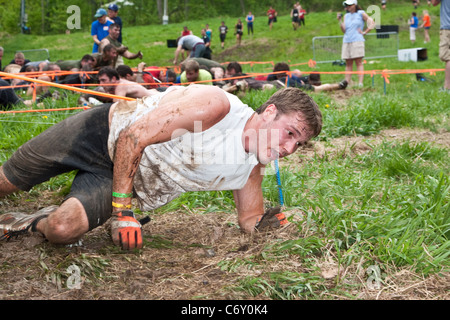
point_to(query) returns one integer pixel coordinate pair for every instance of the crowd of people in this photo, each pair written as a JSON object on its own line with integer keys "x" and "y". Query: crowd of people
{"x": 105, "y": 66}
{"x": 192, "y": 57}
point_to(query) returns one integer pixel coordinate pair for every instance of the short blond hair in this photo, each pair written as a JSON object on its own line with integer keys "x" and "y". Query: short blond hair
{"x": 191, "y": 65}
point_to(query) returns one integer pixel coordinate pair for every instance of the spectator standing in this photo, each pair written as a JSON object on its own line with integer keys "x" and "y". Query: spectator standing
{"x": 295, "y": 16}
{"x": 444, "y": 44}
{"x": 272, "y": 15}
{"x": 301, "y": 15}
{"x": 186, "y": 31}
{"x": 208, "y": 32}
{"x": 250, "y": 18}
{"x": 100, "y": 28}
{"x": 239, "y": 29}
{"x": 113, "y": 14}
{"x": 223, "y": 29}
{"x": 413, "y": 25}
{"x": 207, "y": 41}
{"x": 353, "y": 47}
{"x": 426, "y": 25}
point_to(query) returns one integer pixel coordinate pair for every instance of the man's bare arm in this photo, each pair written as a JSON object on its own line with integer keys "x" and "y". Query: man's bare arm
{"x": 249, "y": 200}
{"x": 177, "y": 53}
{"x": 102, "y": 45}
{"x": 176, "y": 114}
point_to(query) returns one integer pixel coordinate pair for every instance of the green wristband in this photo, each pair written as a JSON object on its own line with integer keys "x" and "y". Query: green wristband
{"x": 122, "y": 195}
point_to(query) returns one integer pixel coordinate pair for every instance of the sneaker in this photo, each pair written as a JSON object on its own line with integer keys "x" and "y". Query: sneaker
{"x": 14, "y": 224}
{"x": 343, "y": 84}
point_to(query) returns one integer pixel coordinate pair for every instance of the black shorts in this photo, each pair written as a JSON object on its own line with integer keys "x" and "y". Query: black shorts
{"x": 80, "y": 143}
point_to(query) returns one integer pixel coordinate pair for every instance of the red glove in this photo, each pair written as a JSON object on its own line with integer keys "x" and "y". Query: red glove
{"x": 126, "y": 231}
{"x": 272, "y": 218}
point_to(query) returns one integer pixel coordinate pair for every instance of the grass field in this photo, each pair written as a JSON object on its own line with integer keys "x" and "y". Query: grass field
{"x": 367, "y": 201}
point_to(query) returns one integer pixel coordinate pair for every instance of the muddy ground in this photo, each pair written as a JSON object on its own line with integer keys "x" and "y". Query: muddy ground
{"x": 182, "y": 251}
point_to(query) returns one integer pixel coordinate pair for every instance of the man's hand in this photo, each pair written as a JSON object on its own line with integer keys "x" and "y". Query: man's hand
{"x": 126, "y": 231}
{"x": 272, "y": 218}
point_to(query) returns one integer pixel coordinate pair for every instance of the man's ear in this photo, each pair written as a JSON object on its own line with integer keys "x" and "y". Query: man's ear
{"x": 270, "y": 112}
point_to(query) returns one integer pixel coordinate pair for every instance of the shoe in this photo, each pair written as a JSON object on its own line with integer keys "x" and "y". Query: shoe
{"x": 343, "y": 84}
{"x": 14, "y": 224}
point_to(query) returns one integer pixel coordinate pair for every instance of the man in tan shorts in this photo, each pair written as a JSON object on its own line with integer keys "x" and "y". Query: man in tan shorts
{"x": 444, "y": 45}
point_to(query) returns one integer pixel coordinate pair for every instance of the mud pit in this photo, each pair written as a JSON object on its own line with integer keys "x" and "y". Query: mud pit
{"x": 180, "y": 259}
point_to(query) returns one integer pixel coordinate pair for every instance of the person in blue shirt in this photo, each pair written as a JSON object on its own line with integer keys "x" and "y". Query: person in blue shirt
{"x": 250, "y": 18}
{"x": 113, "y": 11}
{"x": 353, "y": 47}
{"x": 100, "y": 28}
{"x": 413, "y": 25}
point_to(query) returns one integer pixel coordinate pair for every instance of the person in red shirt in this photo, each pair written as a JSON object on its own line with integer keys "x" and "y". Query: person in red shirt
{"x": 301, "y": 15}
{"x": 272, "y": 15}
{"x": 186, "y": 31}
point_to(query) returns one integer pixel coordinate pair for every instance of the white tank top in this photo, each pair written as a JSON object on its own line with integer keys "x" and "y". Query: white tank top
{"x": 213, "y": 159}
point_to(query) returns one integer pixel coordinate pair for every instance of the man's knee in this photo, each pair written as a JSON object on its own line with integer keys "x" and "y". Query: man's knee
{"x": 67, "y": 224}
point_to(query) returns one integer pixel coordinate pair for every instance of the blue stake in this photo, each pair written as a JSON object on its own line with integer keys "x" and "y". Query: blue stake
{"x": 280, "y": 191}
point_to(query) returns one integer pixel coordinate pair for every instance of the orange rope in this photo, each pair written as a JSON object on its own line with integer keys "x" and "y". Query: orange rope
{"x": 44, "y": 110}
{"x": 62, "y": 86}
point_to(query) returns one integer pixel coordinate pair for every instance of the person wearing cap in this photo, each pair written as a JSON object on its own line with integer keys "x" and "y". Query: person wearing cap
{"x": 100, "y": 28}
{"x": 352, "y": 25}
{"x": 113, "y": 11}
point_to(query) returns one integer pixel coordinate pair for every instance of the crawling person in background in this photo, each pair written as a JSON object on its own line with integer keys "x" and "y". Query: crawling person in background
{"x": 283, "y": 77}
{"x": 111, "y": 81}
{"x": 143, "y": 149}
{"x": 143, "y": 78}
{"x": 193, "y": 73}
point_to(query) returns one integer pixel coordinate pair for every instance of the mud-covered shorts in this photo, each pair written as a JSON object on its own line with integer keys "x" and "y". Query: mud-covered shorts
{"x": 76, "y": 143}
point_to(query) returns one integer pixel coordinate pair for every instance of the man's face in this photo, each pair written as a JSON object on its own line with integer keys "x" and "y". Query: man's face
{"x": 19, "y": 61}
{"x": 105, "y": 81}
{"x": 88, "y": 63}
{"x": 102, "y": 19}
{"x": 114, "y": 33}
{"x": 230, "y": 73}
{"x": 111, "y": 54}
{"x": 112, "y": 13}
{"x": 192, "y": 76}
{"x": 279, "y": 136}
